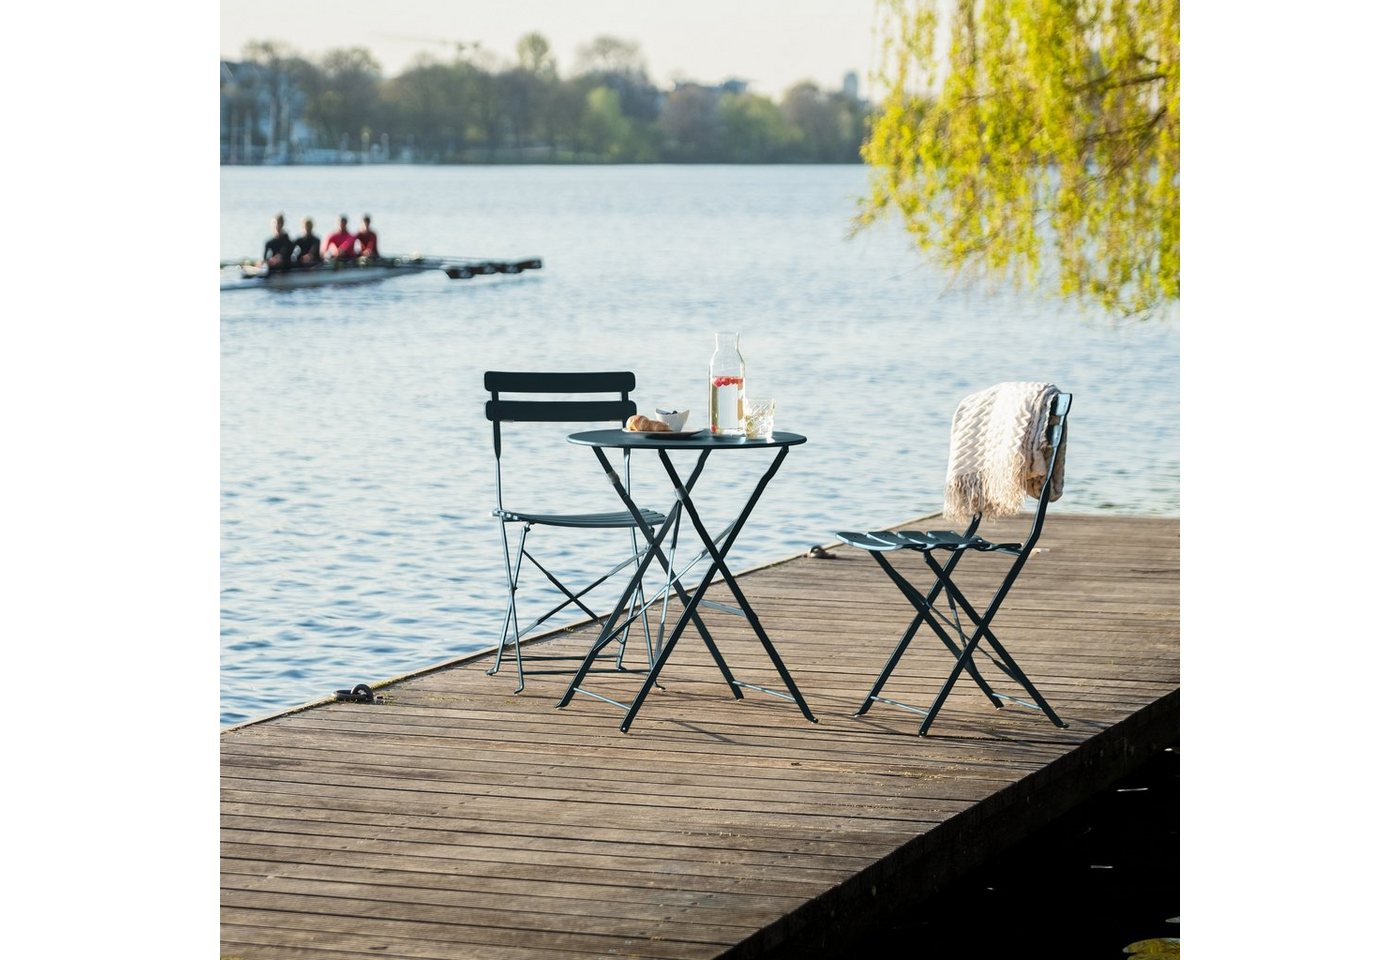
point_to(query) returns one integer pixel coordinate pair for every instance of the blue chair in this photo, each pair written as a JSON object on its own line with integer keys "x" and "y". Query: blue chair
{"x": 956, "y": 546}
{"x": 537, "y": 410}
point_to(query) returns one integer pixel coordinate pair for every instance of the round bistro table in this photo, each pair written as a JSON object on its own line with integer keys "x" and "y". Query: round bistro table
{"x": 601, "y": 441}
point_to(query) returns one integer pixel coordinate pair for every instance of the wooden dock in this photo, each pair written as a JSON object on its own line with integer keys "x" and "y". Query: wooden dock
{"x": 457, "y": 820}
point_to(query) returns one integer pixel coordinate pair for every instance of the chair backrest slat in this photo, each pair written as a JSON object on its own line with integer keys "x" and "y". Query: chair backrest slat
{"x": 617, "y": 408}
{"x": 559, "y": 411}
{"x": 618, "y": 381}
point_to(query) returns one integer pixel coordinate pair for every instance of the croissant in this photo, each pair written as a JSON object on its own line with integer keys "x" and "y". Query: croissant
{"x": 642, "y": 424}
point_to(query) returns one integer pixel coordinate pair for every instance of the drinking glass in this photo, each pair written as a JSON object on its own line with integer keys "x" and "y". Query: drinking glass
{"x": 758, "y": 417}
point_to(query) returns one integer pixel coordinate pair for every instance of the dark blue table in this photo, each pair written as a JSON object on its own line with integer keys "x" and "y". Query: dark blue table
{"x": 706, "y": 445}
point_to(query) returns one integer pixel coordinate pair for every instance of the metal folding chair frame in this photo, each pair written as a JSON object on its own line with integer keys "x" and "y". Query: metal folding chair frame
{"x": 560, "y": 411}
{"x": 926, "y": 613}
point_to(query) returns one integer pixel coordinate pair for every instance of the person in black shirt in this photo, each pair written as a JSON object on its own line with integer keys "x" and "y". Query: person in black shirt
{"x": 277, "y": 252}
{"x": 307, "y": 250}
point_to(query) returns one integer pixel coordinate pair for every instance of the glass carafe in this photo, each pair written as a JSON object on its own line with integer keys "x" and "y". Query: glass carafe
{"x": 727, "y": 387}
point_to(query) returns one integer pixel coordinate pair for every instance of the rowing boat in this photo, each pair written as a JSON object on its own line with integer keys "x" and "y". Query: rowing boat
{"x": 252, "y": 275}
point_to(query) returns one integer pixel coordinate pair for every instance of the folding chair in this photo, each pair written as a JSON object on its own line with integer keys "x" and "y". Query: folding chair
{"x": 878, "y": 543}
{"x": 536, "y": 410}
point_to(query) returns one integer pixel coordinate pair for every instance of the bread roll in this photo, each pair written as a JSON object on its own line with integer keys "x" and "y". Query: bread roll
{"x": 641, "y": 424}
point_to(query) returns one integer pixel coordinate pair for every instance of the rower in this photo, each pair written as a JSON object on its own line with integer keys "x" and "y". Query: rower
{"x": 340, "y": 245}
{"x": 277, "y": 252}
{"x": 307, "y": 251}
{"x": 367, "y": 239}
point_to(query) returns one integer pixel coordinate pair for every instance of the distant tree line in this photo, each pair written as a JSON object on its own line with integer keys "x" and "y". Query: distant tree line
{"x": 278, "y": 106}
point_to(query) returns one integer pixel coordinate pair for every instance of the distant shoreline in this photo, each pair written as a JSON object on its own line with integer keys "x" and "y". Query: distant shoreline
{"x": 558, "y": 163}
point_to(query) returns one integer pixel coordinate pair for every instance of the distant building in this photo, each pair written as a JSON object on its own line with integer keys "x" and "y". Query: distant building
{"x": 261, "y": 116}
{"x": 850, "y": 85}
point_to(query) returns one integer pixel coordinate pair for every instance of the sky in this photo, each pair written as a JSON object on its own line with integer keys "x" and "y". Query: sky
{"x": 771, "y": 43}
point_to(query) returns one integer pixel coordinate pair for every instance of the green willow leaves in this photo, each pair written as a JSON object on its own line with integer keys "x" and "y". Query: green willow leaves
{"x": 1028, "y": 130}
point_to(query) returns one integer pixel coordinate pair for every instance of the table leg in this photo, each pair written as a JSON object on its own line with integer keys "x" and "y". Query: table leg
{"x": 655, "y": 546}
{"x": 683, "y": 493}
{"x": 718, "y": 554}
{"x": 656, "y": 550}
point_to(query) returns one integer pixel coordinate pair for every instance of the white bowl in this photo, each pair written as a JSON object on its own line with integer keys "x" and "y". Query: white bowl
{"x": 675, "y": 419}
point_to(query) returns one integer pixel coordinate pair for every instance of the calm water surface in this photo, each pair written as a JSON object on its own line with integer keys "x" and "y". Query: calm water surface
{"x": 357, "y": 471}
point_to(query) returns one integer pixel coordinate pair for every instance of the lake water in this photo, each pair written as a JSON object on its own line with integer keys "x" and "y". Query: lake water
{"x": 357, "y": 476}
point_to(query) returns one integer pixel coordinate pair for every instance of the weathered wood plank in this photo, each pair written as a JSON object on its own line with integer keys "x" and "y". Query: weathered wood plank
{"x": 459, "y": 819}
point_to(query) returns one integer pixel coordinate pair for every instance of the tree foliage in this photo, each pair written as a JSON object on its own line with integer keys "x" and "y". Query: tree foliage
{"x": 479, "y": 108}
{"x": 535, "y": 56}
{"x": 608, "y": 54}
{"x": 347, "y": 94}
{"x": 1028, "y": 129}
{"x": 755, "y": 129}
{"x": 826, "y": 122}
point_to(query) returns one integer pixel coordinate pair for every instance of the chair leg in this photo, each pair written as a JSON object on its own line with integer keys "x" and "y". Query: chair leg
{"x": 510, "y": 625}
{"x": 638, "y": 597}
{"x": 641, "y": 602}
{"x": 570, "y": 596}
{"x": 983, "y": 624}
{"x": 642, "y": 597}
{"x": 963, "y": 660}
{"x": 510, "y": 602}
{"x": 512, "y": 580}
{"x": 666, "y": 591}
{"x": 654, "y": 550}
{"x": 1020, "y": 677}
{"x": 899, "y": 649}
{"x": 673, "y": 577}
{"x": 512, "y": 621}
{"x": 922, "y": 605}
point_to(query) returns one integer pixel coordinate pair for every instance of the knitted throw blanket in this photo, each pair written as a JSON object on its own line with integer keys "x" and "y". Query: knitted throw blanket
{"x": 1000, "y": 451}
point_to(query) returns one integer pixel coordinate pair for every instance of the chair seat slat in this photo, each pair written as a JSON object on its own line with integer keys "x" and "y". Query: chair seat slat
{"x": 619, "y": 518}
{"x": 923, "y": 540}
{"x": 869, "y": 541}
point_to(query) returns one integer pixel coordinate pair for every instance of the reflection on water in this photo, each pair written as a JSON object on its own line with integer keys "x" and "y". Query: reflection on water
{"x": 357, "y": 471}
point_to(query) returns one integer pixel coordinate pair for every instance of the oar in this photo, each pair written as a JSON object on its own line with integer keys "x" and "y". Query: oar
{"x": 412, "y": 257}
{"x": 466, "y": 271}
{"x": 526, "y": 263}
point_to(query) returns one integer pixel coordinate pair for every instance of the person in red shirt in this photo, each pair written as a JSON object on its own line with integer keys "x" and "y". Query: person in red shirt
{"x": 340, "y": 245}
{"x": 367, "y": 239}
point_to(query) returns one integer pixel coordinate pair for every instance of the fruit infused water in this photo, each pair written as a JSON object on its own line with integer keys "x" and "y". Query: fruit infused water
{"x": 727, "y": 387}
{"x": 727, "y": 406}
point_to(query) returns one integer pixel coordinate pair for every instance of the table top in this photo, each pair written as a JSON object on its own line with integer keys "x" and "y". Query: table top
{"x": 701, "y": 441}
